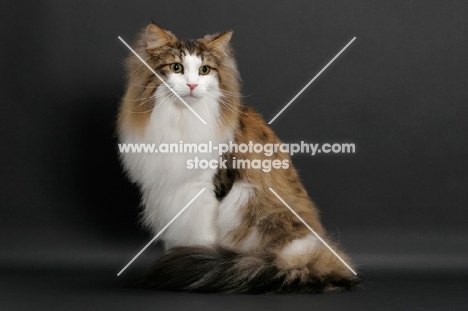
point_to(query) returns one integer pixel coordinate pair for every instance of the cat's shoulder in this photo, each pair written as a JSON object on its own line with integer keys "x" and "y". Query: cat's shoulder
{"x": 252, "y": 126}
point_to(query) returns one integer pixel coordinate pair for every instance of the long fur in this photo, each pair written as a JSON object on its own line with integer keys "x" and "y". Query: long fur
{"x": 237, "y": 236}
{"x": 206, "y": 269}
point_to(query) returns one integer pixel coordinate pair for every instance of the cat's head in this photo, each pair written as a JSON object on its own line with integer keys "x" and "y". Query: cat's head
{"x": 193, "y": 68}
{"x": 196, "y": 69}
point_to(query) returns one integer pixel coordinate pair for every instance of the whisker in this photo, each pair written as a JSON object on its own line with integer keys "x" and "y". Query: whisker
{"x": 234, "y": 109}
{"x": 147, "y": 99}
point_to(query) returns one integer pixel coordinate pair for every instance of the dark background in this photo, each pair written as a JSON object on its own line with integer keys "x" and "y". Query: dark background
{"x": 69, "y": 217}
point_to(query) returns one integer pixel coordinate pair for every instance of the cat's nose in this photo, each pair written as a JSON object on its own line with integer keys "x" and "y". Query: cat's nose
{"x": 192, "y": 86}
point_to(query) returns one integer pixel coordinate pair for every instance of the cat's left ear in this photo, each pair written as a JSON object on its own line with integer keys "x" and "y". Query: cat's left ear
{"x": 156, "y": 37}
{"x": 221, "y": 42}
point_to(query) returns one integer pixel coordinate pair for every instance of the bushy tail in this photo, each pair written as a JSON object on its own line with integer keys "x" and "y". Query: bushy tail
{"x": 218, "y": 269}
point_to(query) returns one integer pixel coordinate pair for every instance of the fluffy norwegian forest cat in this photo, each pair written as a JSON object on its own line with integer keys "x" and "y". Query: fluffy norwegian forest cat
{"x": 236, "y": 236}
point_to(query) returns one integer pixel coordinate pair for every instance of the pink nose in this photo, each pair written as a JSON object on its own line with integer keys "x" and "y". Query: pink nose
{"x": 192, "y": 86}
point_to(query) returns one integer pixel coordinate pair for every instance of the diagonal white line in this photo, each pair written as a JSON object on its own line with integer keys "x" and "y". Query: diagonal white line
{"x": 313, "y": 79}
{"x": 160, "y": 232}
{"x": 164, "y": 82}
{"x": 315, "y": 233}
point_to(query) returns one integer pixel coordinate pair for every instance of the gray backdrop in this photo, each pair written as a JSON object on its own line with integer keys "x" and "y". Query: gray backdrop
{"x": 69, "y": 217}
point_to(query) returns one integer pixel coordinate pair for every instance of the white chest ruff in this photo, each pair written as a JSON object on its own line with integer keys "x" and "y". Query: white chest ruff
{"x": 166, "y": 183}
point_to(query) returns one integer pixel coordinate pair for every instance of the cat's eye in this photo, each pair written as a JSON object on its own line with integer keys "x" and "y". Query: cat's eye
{"x": 176, "y": 67}
{"x": 204, "y": 70}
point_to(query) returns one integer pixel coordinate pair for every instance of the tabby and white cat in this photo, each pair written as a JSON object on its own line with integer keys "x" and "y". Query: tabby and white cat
{"x": 236, "y": 236}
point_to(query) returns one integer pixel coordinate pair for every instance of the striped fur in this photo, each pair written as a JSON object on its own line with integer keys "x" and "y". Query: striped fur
{"x": 205, "y": 269}
{"x": 238, "y": 237}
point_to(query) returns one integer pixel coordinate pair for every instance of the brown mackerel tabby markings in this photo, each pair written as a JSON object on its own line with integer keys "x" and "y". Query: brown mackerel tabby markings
{"x": 226, "y": 267}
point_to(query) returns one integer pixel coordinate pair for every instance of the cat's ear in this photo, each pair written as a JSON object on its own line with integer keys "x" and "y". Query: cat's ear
{"x": 156, "y": 37}
{"x": 220, "y": 42}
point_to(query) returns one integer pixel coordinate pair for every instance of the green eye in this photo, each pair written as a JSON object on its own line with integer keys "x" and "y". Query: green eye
{"x": 176, "y": 67}
{"x": 204, "y": 70}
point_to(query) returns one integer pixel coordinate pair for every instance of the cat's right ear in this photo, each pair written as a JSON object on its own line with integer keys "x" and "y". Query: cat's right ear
{"x": 156, "y": 37}
{"x": 220, "y": 42}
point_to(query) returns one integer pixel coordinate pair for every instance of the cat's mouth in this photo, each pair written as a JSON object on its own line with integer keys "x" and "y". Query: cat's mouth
{"x": 190, "y": 99}
{"x": 191, "y": 96}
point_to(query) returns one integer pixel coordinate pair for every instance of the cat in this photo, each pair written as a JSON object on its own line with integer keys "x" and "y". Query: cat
{"x": 237, "y": 236}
